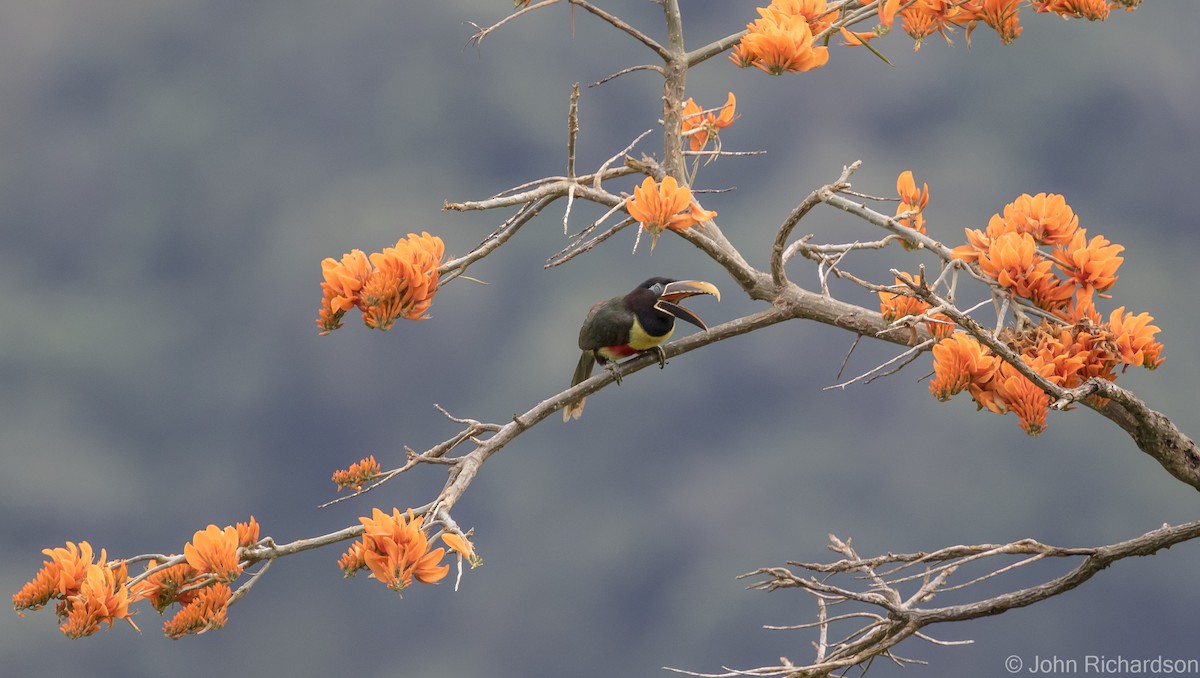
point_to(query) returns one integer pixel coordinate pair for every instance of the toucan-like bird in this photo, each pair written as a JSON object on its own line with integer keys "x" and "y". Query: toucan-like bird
{"x": 639, "y": 321}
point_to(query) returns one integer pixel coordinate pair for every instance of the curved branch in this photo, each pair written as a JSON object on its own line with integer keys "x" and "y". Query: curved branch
{"x": 1153, "y": 432}
{"x": 823, "y": 194}
{"x": 1100, "y": 558}
{"x": 463, "y": 473}
{"x": 879, "y": 578}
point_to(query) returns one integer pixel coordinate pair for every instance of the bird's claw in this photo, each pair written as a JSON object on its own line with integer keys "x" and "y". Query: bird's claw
{"x": 662, "y": 357}
{"x": 614, "y": 371}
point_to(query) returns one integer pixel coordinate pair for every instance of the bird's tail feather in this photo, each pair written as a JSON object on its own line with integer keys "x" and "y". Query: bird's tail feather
{"x": 583, "y": 370}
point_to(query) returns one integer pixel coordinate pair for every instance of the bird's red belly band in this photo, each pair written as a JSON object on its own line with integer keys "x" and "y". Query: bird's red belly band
{"x": 617, "y": 352}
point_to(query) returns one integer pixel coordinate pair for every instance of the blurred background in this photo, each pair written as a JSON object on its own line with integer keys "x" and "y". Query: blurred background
{"x": 172, "y": 174}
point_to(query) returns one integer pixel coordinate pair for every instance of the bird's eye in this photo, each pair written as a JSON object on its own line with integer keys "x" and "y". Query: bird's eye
{"x": 657, "y": 288}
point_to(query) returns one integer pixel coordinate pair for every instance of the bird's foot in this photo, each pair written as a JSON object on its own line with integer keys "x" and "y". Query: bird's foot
{"x": 612, "y": 368}
{"x": 662, "y": 357}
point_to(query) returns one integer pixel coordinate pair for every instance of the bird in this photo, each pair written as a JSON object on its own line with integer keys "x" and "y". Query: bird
{"x": 627, "y": 325}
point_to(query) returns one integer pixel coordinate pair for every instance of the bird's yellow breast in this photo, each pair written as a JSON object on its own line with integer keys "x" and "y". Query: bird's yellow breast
{"x": 640, "y": 340}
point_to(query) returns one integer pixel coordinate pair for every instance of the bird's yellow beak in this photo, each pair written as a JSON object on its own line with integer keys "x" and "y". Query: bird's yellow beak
{"x": 677, "y": 291}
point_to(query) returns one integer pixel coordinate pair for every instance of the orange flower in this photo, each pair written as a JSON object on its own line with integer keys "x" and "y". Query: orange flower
{"x": 1070, "y": 355}
{"x": 1000, "y": 15}
{"x": 1087, "y": 342}
{"x": 705, "y": 124}
{"x": 940, "y": 326}
{"x": 59, "y": 577}
{"x": 463, "y": 547}
{"x": 207, "y": 611}
{"x": 400, "y": 281}
{"x": 397, "y": 527}
{"x": 1045, "y": 216}
{"x": 923, "y": 18}
{"x": 1015, "y": 262}
{"x": 396, "y": 565}
{"x": 404, "y": 281}
{"x": 352, "y": 560}
{"x": 906, "y": 186}
{"x": 1092, "y": 10}
{"x": 887, "y": 11}
{"x": 660, "y": 206}
{"x": 856, "y": 38}
{"x": 912, "y": 200}
{"x": 163, "y": 588}
{"x": 343, "y": 280}
{"x": 1081, "y": 310}
{"x": 1030, "y": 403}
{"x": 1059, "y": 351}
{"x": 977, "y": 244}
{"x": 960, "y": 362}
{"x": 1091, "y": 265}
{"x": 360, "y": 473}
{"x": 214, "y": 551}
{"x": 103, "y": 597}
{"x": 779, "y": 43}
{"x": 896, "y": 305}
{"x": 92, "y": 593}
{"x": 815, "y": 12}
{"x": 247, "y": 532}
{"x": 38, "y": 591}
{"x": 396, "y": 550}
{"x": 1133, "y": 336}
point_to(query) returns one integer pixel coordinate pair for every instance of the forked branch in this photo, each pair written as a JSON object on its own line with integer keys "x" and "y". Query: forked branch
{"x": 898, "y": 585}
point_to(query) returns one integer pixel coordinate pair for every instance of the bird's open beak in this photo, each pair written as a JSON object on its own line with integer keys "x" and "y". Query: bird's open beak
{"x": 679, "y": 290}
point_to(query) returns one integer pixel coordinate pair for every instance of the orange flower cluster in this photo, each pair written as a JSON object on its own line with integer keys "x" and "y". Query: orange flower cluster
{"x": 699, "y": 126}
{"x": 923, "y": 18}
{"x": 205, "y": 611}
{"x": 200, "y": 583}
{"x": 90, "y": 593}
{"x": 400, "y": 281}
{"x": 170, "y": 585}
{"x": 659, "y": 207}
{"x": 899, "y": 304}
{"x": 94, "y": 593}
{"x": 1000, "y": 15}
{"x": 1078, "y": 346}
{"x": 961, "y": 363}
{"x": 396, "y": 550}
{"x": 1092, "y": 10}
{"x": 1065, "y": 355}
{"x": 781, "y": 39}
{"x": 912, "y": 200}
{"x": 1009, "y": 251}
{"x": 360, "y": 473}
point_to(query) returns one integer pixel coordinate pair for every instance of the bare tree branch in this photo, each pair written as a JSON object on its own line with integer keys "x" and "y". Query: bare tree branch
{"x": 901, "y": 617}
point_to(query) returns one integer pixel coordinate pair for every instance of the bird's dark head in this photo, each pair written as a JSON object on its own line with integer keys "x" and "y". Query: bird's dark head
{"x": 664, "y": 294}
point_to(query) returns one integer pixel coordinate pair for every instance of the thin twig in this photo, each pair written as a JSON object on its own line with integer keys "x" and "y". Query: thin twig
{"x": 621, "y": 25}
{"x": 481, "y": 33}
{"x": 623, "y": 71}
{"x": 564, "y": 256}
{"x": 904, "y": 359}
